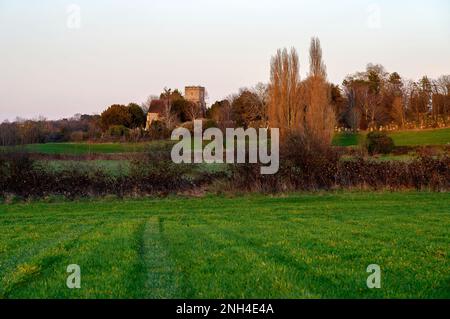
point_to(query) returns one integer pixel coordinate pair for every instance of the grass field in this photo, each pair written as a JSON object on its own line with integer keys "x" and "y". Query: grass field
{"x": 401, "y": 138}
{"x": 347, "y": 139}
{"x": 86, "y": 148}
{"x": 299, "y": 246}
{"x": 424, "y": 137}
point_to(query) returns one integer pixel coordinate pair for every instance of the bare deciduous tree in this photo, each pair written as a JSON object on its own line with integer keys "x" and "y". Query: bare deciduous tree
{"x": 301, "y": 107}
{"x": 284, "y": 108}
{"x": 169, "y": 118}
{"x": 398, "y": 111}
{"x": 193, "y": 111}
{"x": 319, "y": 115}
{"x": 441, "y": 98}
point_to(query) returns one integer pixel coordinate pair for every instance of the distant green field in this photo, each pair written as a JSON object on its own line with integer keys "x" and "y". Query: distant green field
{"x": 401, "y": 138}
{"x": 299, "y": 246}
{"x": 91, "y": 148}
{"x": 347, "y": 139}
{"x": 86, "y": 148}
{"x": 424, "y": 137}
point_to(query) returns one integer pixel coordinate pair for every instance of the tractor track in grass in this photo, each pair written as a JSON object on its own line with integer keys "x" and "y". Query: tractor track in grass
{"x": 231, "y": 241}
{"x": 278, "y": 256}
{"x": 161, "y": 279}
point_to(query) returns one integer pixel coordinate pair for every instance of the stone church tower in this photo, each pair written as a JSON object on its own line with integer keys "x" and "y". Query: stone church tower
{"x": 197, "y": 95}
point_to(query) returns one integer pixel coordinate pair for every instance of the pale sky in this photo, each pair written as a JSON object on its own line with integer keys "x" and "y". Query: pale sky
{"x": 122, "y": 51}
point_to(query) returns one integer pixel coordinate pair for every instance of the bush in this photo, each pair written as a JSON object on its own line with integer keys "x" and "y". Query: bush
{"x": 156, "y": 171}
{"x": 303, "y": 166}
{"x": 427, "y": 151}
{"x": 309, "y": 167}
{"x": 158, "y": 131}
{"x": 424, "y": 173}
{"x": 379, "y": 143}
{"x": 118, "y": 131}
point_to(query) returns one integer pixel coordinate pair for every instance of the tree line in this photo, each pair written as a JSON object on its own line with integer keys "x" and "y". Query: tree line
{"x": 312, "y": 108}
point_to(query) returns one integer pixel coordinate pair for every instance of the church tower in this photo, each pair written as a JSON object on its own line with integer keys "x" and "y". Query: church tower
{"x": 196, "y": 94}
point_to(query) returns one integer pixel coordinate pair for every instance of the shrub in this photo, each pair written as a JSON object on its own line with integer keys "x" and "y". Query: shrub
{"x": 379, "y": 143}
{"x": 423, "y": 173}
{"x": 118, "y": 131}
{"x": 158, "y": 131}
{"x": 427, "y": 151}
{"x": 308, "y": 167}
{"x": 303, "y": 166}
{"x": 157, "y": 172}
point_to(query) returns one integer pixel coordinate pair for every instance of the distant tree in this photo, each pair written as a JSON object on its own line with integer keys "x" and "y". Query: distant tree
{"x": 167, "y": 115}
{"x": 394, "y": 99}
{"x": 183, "y": 109}
{"x": 192, "y": 110}
{"x": 89, "y": 118}
{"x": 338, "y": 102}
{"x": 262, "y": 91}
{"x": 220, "y": 112}
{"x": 247, "y": 109}
{"x": 301, "y": 108}
{"x": 398, "y": 111}
{"x": 395, "y": 80}
{"x": 173, "y": 95}
{"x": 369, "y": 101}
{"x": 285, "y": 110}
{"x": 137, "y": 116}
{"x": 441, "y": 97}
{"x": 115, "y": 115}
{"x": 376, "y": 77}
{"x": 9, "y": 134}
{"x": 414, "y": 110}
{"x": 420, "y": 100}
{"x": 174, "y": 107}
{"x": 319, "y": 118}
{"x": 425, "y": 94}
{"x": 214, "y": 111}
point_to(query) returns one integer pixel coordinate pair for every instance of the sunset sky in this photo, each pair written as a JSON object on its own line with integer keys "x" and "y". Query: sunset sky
{"x": 54, "y": 64}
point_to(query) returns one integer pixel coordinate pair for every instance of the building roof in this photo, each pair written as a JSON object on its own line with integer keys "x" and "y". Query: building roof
{"x": 157, "y": 106}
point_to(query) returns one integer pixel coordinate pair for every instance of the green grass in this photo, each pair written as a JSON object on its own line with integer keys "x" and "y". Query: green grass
{"x": 424, "y": 137}
{"x": 384, "y": 158}
{"x": 299, "y": 246}
{"x": 347, "y": 139}
{"x": 91, "y": 148}
{"x": 401, "y": 138}
{"x": 84, "y": 148}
